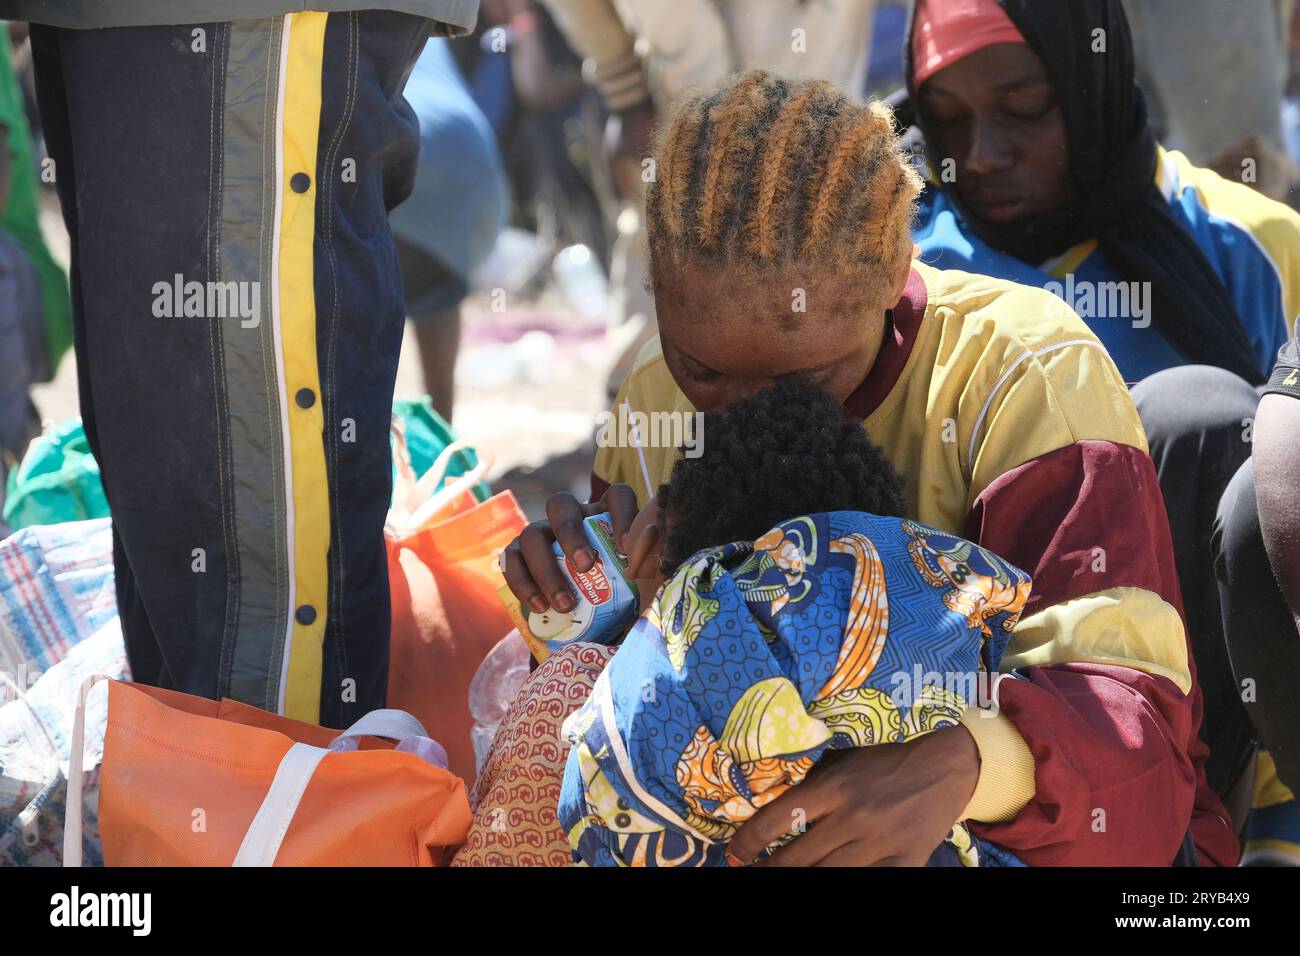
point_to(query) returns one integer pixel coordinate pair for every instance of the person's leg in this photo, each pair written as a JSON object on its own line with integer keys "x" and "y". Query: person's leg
{"x": 132, "y": 167}
{"x": 367, "y": 126}
{"x": 1263, "y": 639}
{"x": 449, "y": 225}
{"x": 438, "y": 339}
{"x": 238, "y": 317}
{"x": 1197, "y": 421}
{"x": 433, "y": 297}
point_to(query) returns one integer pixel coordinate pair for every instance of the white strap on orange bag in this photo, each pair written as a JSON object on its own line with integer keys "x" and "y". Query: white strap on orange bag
{"x": 417, "y": 502}
{"x": 265, "y": 834}
{"x": 262, "y": 840}
{"x": 72, "y": 816}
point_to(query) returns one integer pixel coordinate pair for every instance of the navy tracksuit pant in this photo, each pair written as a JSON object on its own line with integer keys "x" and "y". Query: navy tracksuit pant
{"x": 238, "y": 315}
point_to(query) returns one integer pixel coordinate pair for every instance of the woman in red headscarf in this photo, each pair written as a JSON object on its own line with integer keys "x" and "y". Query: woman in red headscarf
{"x": 1045, "y": 171}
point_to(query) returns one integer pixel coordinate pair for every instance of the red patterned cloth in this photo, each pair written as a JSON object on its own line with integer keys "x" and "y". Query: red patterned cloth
{"x": 519, "y": 785}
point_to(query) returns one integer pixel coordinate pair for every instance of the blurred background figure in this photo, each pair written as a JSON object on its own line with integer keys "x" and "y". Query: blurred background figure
{"x": 1214, "y": 74}
{"x": 571, "y": 89}
{"x": 529, "y": 84}
{"x": 35, "y": 310}
{"x": 449, "y": 224}
{"x": 1046, "y": 170}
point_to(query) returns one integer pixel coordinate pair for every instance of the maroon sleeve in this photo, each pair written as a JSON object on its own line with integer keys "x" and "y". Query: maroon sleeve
{"x": 1119, "y": 765}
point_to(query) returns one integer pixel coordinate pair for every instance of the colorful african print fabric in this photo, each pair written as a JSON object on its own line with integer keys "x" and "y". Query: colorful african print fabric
{"x": 832, "y": 631}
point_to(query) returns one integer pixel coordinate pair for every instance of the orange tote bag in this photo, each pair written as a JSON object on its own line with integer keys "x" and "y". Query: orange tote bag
{"x": 447, "y": 615}
{"x": 187, "y": 781}
{"x": 442, "y": 573}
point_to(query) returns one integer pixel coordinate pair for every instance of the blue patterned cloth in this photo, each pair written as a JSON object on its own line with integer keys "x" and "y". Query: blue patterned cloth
{"x": 831, "y": 631}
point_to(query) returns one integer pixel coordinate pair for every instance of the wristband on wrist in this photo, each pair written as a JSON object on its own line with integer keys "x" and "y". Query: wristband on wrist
{"x": 1284, "y": 381}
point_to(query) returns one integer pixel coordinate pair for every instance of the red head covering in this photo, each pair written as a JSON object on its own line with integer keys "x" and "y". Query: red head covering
{"x": 948, "y": 30}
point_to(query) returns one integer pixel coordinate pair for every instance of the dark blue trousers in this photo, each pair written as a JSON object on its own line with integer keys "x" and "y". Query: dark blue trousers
{"x": 238, "y": 317}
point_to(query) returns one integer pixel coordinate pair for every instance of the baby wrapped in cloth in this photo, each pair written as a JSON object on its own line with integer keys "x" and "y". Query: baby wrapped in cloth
{"x": 831, "y": 631}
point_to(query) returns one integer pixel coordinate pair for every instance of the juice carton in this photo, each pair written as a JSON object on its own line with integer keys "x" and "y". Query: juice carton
{"x": 606, "y": 598}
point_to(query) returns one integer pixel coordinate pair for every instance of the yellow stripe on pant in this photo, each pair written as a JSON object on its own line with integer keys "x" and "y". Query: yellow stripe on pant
{"x": 296, "y": 307}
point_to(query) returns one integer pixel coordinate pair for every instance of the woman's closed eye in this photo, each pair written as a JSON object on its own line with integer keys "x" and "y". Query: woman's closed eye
{"x": 699, "y": 371}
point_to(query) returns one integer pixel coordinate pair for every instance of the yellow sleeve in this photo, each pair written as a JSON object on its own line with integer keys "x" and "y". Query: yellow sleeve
{"x": 637, "y": 438}
{"x": 1006, "y": 779}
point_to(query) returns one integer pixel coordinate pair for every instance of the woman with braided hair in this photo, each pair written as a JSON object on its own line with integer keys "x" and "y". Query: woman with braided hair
{"x": 778, "y": 223}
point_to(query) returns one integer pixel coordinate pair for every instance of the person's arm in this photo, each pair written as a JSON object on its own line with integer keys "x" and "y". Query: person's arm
{"x": 595, "y": 31}
{"x": 1103, "y": 698}
{"x": 1090, "y": 755}
{"x": 1277, "y": 475}
{"x": 1103, "y": 701}
{"x": 686, "y": 43}
{"x": 541, "y": 83}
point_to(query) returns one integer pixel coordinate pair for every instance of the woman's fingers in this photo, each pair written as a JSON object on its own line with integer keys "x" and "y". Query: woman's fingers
{"x": 532, "y": 571}
{"x": 518, "y": 578}
{"x": 811, "y": 848}
{"x": 620, "y": 502}
{"x": 529, "y": 563}
{"x": 565, "y": 514}
{"x": 859, "y": 853}
{"x": 792, "y": 812}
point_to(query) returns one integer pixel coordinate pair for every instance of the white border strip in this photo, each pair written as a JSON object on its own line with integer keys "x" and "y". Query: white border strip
{"x": 281, "y": 384}
{"x": 997, "y": 386}
{"x": 605, "y": 704}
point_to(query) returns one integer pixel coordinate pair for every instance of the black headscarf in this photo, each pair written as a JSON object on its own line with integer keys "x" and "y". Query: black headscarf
{"x": 1113, "y": 165}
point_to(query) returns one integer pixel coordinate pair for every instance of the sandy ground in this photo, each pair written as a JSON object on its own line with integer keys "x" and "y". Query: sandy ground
{"x": 529, "y": 384}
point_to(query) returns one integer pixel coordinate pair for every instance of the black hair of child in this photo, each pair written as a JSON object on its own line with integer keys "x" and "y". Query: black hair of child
{"x": 786, "y": 451}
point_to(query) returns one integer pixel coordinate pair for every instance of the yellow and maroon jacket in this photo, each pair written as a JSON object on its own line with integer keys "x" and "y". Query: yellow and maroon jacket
{"x": 1013, "y": 428}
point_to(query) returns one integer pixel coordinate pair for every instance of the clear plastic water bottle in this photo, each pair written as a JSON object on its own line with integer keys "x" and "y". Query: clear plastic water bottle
{"x": 579, "y": 276}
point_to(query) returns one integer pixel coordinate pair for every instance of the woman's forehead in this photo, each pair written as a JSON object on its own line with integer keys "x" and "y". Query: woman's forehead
{"x": 741, "y": 348}
{"x": 778, "y": 296}
{"x": 747, "y": 324}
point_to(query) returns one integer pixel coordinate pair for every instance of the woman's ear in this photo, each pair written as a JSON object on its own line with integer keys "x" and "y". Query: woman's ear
{"x": 899, "y": 283}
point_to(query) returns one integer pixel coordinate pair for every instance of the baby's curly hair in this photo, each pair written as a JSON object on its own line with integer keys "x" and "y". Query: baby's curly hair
{"x": 787, "y": 451}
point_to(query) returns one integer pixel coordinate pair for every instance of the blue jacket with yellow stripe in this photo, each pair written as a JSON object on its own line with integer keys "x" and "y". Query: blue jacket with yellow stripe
{"x": 1252, "y": 242}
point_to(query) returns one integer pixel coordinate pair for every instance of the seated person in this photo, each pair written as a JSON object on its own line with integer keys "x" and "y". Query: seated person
{"x": 1257, "y": 558}
{"x": 789, "y": 450}
{"x": 774, "y": 641}
{"x": 1046, "y": 171}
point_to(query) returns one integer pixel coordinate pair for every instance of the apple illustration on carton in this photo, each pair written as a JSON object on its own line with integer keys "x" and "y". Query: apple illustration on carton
{"x": 606, "y": 599}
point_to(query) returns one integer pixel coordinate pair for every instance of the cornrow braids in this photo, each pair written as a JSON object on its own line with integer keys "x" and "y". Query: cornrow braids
{"x": 735, "y": 123}
{"x": 788, "y": 134}
{"x": 775, "y": 173}
{"x": 674, "y": 158}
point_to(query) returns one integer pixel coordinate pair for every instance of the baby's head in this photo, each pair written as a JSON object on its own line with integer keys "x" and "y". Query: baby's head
{"x": 786, "y": 451}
